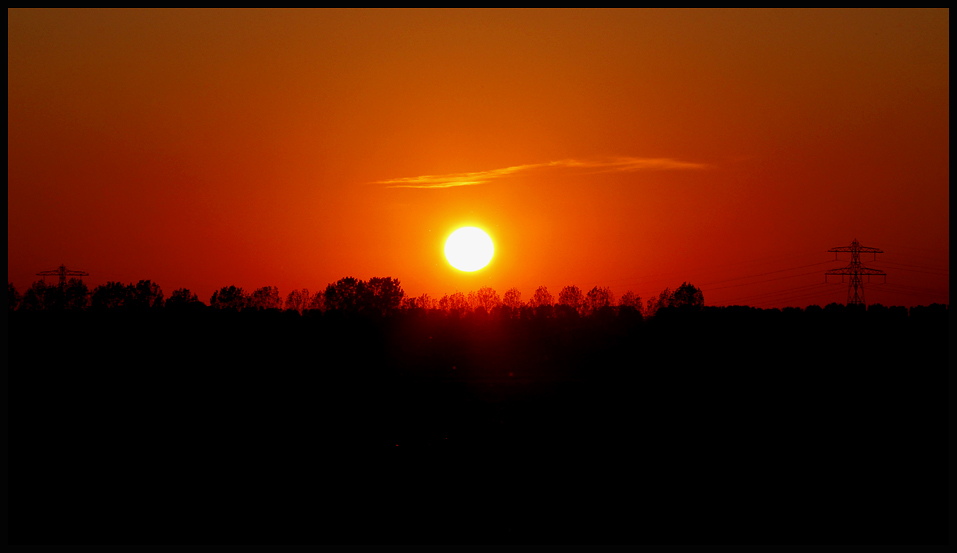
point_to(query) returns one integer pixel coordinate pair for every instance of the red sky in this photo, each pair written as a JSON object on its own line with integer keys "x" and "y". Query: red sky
{"x": 730, "y": 149}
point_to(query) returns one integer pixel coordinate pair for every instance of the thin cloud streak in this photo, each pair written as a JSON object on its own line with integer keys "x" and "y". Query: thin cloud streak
{"x": 480, "y": 177}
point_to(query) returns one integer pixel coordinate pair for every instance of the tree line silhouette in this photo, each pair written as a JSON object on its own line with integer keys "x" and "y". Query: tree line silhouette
{"x": 378, "y": 295}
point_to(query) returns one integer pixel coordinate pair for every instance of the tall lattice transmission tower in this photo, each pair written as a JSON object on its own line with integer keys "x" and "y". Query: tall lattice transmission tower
{"x": 62, "y": 272}
{"x": 855, "y": 290}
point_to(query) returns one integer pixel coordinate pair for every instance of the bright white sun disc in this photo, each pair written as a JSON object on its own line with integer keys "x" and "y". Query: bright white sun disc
{"x": 469, "y": 249}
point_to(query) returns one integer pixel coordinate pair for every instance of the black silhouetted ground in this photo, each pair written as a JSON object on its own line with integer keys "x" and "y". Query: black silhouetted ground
{"x": 802, "y": 426}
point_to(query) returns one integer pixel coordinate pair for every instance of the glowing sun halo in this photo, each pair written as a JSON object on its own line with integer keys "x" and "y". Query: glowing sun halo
{"x": 469, "y": 249}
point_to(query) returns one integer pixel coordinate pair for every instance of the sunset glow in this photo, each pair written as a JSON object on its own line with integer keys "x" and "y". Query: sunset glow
{"x": 633, "y": 149}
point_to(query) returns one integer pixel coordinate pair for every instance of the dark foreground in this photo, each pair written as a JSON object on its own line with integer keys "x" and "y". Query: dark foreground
{"x": 723, "y": 425}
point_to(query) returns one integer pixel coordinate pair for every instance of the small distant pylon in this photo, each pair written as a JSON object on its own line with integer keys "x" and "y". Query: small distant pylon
{"x": 62, "y": 272}
{"x": 855, "y": 290}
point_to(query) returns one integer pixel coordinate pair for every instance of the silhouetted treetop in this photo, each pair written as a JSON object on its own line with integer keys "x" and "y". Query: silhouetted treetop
{"x": 145, "y": 294}
{"x": 572, "y": 299}
{"x": 422, "y": 302}
{"x": 455, "y": 303}
{"x": 486, "y": 298}
{"x": 598, "y": 298}
{"x": 380, "y": 295}
{"x": 229, "y": 297}
{"x": 298, "y": 300}
{"x": 317, "y": 302}
{"x": 630, "y": 300}
{"x": 512, "y": 299}
{"x": 345, "y": 294}
{"x": 384, "y": 294}
{"x": 688, "y": 297}
{"x": 13, "y": 297}
{"x": 182, "y": 298}
{"x": 266, "y": 297}
{"x": 112, "y": 295}
{"x": 76, "y": 294}
{"x": 541, "y": 298}
{"x": 662, "y": 300}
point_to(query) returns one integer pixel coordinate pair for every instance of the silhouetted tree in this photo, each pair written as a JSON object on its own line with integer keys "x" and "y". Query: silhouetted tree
{"x": 77, "y": 295}
{"x": 384, "y": 294}
{"x": 458, "y": 302}
{"x": 112, "y": 295}
{"x": 688, "y": 297}
{"x": 345, "y": 295}
{"x": 486, "y": 298}
{"x": 512, "y": 299}
{"x": 229, "y": 297}
{"x": 630, "y": 300}
{"x": 144, "y": 295}
{"x": 266, "y": 297}
{"x": 599, "y": 298}
{"x": 541, "y": 302}
{"x": 298, "y": 300}
{"x": 37, "y": 297}
{"x": 13, "y": 297}
{"x": 454, "y": 304}
{"x": 834, "y": 307}
{"x": 571, "y": 298}
{"x": 182, "y": 298}
{"x": 512, "y": 303}
{"x": 317, "y": 302}
{"x": 661, "y": 301}
{"x": 541, "y": 297}
{"x": 425, "y": 302}
{"x": 421, "y": 302}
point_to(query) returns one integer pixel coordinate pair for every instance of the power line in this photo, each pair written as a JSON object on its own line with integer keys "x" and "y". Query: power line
{"x": 784, "y": 291}
{"x": 922, "y": 249}
{"x": 786, "y": 299}
{"x": 712, "y": 267}
{"x": 758, "y": 282}
{"x": 917, "y": 288}
{"x": 768, "y": 273}
{"x": 780, "y": 293}
{"x": 798, "y": 300}
{"x": 788, "y": 295}
{"x": 940, "y": 264}
{"x": 907, "y": 292}
{"x": 914, "y": 270}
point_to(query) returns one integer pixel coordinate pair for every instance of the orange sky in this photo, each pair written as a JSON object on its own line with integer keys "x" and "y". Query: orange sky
{"x": 202, "y": 149}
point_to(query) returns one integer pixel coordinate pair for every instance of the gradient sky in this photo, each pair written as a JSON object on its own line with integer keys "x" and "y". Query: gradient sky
{"x": 630, "y": 149}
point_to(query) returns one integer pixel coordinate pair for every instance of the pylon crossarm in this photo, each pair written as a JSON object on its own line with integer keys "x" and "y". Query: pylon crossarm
{"x": 58, "y": 273}
{"x": 860, "y": 270}
{"x": 861, "y": 249}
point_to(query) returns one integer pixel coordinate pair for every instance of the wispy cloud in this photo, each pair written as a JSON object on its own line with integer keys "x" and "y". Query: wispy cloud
{"x": 621, "y": 164}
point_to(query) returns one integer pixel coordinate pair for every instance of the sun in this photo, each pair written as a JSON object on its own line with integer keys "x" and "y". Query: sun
{"x": 469, "y": 249}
